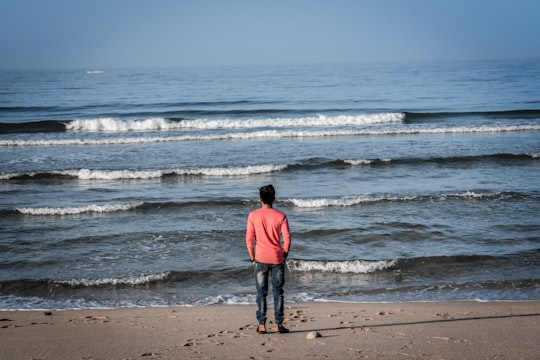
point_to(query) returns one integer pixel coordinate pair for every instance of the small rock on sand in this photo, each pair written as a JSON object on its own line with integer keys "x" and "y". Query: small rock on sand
{"x": 313, "y": 335}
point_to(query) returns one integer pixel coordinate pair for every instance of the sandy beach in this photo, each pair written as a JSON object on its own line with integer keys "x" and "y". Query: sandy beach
{"x": 454, "y": 330}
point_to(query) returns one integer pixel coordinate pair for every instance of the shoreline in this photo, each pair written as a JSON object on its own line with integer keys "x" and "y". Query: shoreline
{"x": 427, "y": 330}
{"x": 287, "y": 304}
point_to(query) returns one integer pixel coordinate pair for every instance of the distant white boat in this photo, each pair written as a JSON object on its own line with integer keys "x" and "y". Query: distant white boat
{"x": 95, "y": 71}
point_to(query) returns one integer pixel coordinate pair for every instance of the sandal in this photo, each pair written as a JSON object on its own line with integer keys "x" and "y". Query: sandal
{"x": 281, "y": 329}
{"x": 261, "y": 329}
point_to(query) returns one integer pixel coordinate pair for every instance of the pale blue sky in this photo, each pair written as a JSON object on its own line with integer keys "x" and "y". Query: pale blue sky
{"x": 125, "y": 33}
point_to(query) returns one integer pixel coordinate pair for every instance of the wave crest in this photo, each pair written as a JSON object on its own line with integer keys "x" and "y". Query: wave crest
{"x": 161, "y": 124}
{"x": 117, "y": 125}
{"x": 348, "y": 200}
{"x": 320, "y": 120}
{"x": 130, "y": 280}
{"x": 272, "y": 134}
{"x": 88, "y": 174}
{"x": 369, "y": 199}
{"x": 348, "y": 266}
{"x": 75, "y": 210}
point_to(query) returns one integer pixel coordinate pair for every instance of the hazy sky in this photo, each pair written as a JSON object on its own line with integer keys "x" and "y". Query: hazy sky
{"x": 120, "y": 33}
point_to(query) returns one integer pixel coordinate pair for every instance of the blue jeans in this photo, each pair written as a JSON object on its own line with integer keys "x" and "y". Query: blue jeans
{"x": 262, "y": 273}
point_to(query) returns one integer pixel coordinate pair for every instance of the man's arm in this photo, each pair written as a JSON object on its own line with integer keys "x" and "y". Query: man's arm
{"x": 286, "y": 232}
{"x": 250, "y": 239}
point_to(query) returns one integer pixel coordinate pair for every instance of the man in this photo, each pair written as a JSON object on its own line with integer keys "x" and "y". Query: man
{"x": 263, "y": 240}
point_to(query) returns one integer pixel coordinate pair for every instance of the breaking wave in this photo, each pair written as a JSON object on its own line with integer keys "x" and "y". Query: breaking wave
{"x": 346, "y": 201}
{"x": 266, "y": 134}
{"x": 348, "y": 266}
{"x": 310, "y": 163}
{"x": 76, "y": 210}
{"x": 88, "y": 174}
{"x": 129, "y": 280}
{"x": 160, "y": 124}
{"x": 299, "y": 203}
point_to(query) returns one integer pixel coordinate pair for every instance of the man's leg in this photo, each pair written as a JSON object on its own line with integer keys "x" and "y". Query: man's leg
{"x": 278, "y": 281}
{"x": 261, "y": 283}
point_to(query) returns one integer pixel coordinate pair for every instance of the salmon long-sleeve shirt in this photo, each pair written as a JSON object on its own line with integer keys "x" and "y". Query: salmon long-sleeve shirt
{"x": 264, "y": 227}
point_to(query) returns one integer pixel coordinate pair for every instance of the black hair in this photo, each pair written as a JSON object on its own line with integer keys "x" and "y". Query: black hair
{"x": 267, "y": 194}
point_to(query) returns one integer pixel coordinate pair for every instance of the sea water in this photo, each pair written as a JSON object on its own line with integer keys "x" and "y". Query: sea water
{"x": 401, "y": 181}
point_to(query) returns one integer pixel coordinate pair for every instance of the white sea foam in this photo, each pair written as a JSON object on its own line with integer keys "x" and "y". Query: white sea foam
{"x": 367, "y": 199}
{"x": 150, "y": 174}
{"x": 88, "y": 174}
{"x": 270, "y": 134}
{"x": 129, "y": 280}
{"x": 364, "y": 161}
{"x": 227, "y": 299}
{"x": 161, "y": 124}
{"x": 472, "y": 195}
{"x": 359, "y": 162}
{"x": 232, "y": 171}
{"x": 351, "y": 266}
{"x": 117, "y": 125}
{"x": 320, "y": 120}
{"x": 75, "y": 210}
{"x": 251, "y": 299}
{"x": 347, "y": 200}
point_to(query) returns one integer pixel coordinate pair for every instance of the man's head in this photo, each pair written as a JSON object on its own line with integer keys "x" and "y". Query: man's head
{"x": 267, "y": 194}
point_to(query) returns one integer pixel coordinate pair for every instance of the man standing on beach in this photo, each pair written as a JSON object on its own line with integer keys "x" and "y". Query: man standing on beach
{"x": 265, "y": 226}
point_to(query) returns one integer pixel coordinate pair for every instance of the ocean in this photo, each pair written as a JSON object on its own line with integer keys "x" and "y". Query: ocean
{"x": 414, "y": 181}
